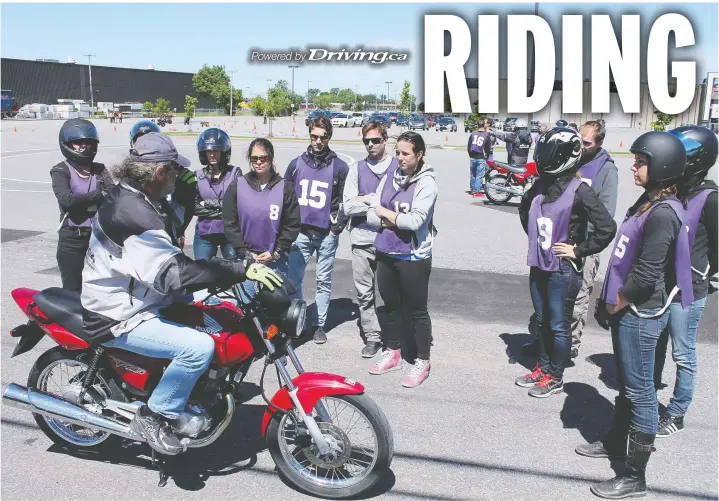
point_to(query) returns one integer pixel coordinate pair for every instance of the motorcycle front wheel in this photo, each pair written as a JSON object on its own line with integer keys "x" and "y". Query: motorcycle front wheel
{"x": 496, "y": 196}
{"x": 361, "y": 444}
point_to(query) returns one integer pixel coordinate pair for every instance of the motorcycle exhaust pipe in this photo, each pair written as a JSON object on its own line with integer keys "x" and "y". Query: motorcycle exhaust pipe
{"x": 514, "y": 191}
{"x": 39, "y": 402}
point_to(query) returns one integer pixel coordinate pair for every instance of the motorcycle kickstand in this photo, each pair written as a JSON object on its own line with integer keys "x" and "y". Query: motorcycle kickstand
{"x": 160, "y": 465}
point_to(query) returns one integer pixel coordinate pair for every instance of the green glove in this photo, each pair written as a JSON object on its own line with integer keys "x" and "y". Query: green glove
{"x": 187, "y": 176}
{"x": 261, "y": 273}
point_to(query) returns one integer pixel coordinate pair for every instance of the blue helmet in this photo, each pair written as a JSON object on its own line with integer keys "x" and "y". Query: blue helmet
{"x": 214, "y": 139}
{"x": 79, "y": 129}
{"x": 701, "y": 145}
{"x": 141, "y": 128}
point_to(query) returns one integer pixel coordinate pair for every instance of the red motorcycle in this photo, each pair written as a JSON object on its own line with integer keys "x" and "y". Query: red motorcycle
{"x": 504, "y": 181}
{"x": 324, "y": 434}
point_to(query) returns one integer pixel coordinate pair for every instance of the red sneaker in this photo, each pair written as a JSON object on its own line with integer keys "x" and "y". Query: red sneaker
{"x": 530, "y": 379}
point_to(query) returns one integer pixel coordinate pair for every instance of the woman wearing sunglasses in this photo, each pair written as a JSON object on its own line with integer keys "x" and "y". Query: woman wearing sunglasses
{"x": 260, "y": 210}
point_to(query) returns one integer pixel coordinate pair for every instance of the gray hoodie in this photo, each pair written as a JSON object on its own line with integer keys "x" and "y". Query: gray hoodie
{"x": 419, "y": 219}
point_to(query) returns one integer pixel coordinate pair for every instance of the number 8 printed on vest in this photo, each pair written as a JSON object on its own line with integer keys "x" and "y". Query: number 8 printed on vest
{"x": 274, "y": 212}
{"x": 317, "y": 198}
{"x": 544, "y": 228}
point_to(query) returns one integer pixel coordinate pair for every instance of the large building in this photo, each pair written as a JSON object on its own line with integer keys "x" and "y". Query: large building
{"x": 46, "y": 81}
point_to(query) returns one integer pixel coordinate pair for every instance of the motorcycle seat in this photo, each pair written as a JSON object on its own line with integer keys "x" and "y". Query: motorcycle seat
{"x": 511, "y": 168}
{"x": 63, "y": 307}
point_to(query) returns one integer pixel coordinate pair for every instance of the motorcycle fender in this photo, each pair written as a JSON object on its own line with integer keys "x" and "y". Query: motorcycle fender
{"x": 311, "y": 386}
{"x": 29, "y": 335}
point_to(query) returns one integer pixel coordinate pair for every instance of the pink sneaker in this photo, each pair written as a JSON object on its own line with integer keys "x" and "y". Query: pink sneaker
{"x": 390, "y": 360}
{"x": 419, "y": 372}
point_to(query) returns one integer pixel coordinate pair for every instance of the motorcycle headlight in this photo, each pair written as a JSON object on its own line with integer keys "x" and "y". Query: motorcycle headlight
{"x": 295, "y": 317}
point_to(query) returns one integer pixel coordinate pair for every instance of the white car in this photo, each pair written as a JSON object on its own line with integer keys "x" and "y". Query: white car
{"x": 343, "y": 120}
{"x": 358, "y": 117}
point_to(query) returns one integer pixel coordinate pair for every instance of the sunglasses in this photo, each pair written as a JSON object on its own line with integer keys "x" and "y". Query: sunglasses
{"x": 315, "y": 137}
{"x": 259, "y": 159}
{"x": 373, "y": 140}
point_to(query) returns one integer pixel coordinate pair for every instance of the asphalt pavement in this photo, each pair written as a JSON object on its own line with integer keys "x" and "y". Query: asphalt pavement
{"x": 467, "y": 433}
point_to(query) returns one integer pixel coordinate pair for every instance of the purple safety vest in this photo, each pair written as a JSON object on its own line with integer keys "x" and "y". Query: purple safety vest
{"x": 80, "y": 186}
{"x": 626, "y": 249}
{"x": 260, "y": 214}
{"x": 314, "y": 193}
{"x": 393, "y": 240}
{"x": 548, "y": 224}
{"x": 209, "y": 191}
{"x": 478, "y": 140}
{"x": 589, "y": 171}
{"x": 695, "y": 206}
{"x": 367, "y": 183}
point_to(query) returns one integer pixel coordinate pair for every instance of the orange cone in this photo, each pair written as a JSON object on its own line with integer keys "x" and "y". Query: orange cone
{"x": 14, "y": 129}
{"x": 621, "y": 144}
{"x": 446, "y": 139}
{"x": 254, "y": 127}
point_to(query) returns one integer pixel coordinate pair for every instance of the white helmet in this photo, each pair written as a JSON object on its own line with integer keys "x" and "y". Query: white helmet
{"x": 520, "y": 123}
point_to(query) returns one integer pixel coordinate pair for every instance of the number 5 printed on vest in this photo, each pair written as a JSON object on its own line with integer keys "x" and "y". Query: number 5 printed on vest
{"x": 621, "y": 246}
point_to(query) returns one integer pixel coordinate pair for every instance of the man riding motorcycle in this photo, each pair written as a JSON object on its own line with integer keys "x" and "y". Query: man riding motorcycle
{"x": 134, "y": 268}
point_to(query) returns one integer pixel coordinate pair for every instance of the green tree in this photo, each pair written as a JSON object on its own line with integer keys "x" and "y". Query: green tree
{"x": 161, "y": 106}
{"x": 447, "y": 104}
{"x": 663, "y": 119}
{"x": 258, "y": 105}
{"x": 324, "y": 101}
{"x": 420, "y": 106}
{"x": 335, "y": 91}
{"x": 406, "y": 98}
{"x": 312, "y": 94}
{"x": 148, "y": 109}
{"x": 190, "y": 104}
{"x": 214, "y": 82}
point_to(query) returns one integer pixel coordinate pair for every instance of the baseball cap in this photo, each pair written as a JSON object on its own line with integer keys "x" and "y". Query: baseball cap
{"x": 154, "y": 147}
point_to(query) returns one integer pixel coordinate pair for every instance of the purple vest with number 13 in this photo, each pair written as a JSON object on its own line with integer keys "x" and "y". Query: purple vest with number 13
{"x": 367, "y": 184}
{"x": 212, "y": 226}
{"x": 260, "y": 213}
{"x": 82, "y": 186}
{"x": 548, "y": 224}
{"x": 626, "y": 248}
{"x": 393, "y": 240}
{"x": 314, "y": 193}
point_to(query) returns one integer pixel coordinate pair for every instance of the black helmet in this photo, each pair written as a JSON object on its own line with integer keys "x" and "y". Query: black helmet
{"x": 701, "y": 146}
{"x": 557, "y": 151}
{"x": 214, "y": 139}
{"x": 141, "y": 128}
{"x": 77, "y": 129}
{"x": 280, "y": 309}
{"x": 572, "y": 125}
{"x": 561, "y": 123}
{"x": 666, "y": 157}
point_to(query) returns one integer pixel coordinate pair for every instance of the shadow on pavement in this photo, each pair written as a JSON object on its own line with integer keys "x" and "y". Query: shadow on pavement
{"x": 606, "y": 362}
{"x": 514, "y": 344}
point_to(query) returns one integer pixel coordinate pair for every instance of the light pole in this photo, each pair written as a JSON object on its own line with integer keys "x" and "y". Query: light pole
{"x": 292, "y": 96}
{"x": 232, "y": 89}
{"x": 376, "y": 99}
{"x": 307, "y": 100}
{"x": 388, "y": 89}
{"x": 89, "y": 67}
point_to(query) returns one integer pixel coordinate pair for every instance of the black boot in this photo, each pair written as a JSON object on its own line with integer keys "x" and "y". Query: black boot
{"x": 632, "y": 483}
{"x": 614, "y": 444}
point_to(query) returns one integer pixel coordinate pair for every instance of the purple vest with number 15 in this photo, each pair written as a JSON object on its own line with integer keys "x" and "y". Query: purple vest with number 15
{"x": 367, "y": 184}
{"x": 208, "y": 192}
{"x": 626, "y": 248}
{"x": 314, "y": 193}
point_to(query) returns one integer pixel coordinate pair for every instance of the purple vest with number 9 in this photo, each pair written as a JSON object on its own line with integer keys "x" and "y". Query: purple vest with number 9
{"x": 260, "y": 213}
{"x": 212, "y": 191}
{"x": 626, "y": 248}
{"x": 81, "y": 186}
{"x": 314, "y": 193}
{"x": 548, "y": 224}
{"x": 393, "y": 240}
{"x": 367, "y": 184}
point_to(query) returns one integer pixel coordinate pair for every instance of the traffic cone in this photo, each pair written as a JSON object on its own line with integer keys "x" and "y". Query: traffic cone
{"x": 14, "y": 129}
{"x": 254, "y": 127}
{"x": 621, "y": 144}
{"x": 446, "y": 139}
{"x": 115, "y": 129}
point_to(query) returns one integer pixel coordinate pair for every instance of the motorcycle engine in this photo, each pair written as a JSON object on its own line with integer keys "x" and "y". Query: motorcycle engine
{"x": 192, "y": 422}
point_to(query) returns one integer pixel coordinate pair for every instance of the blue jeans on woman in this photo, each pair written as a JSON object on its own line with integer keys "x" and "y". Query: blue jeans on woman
{"x": 191, "y": 352}
{"x": 682, "y": 328}
{"x": 477, "y": 170}
{"x": 553, "y": 294}
{"x": 205, "y": 247}
{"x": 636, "y": 343}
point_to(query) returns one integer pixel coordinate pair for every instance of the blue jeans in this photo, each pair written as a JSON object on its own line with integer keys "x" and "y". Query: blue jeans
{"x": 191, "y": 352}
{"x": 477, "y": 170}
{"x": 205, "y": 247}
{"x": 636, "y": 341}
{"x": 302, "y": 250}
{"x": 682, "y": 327}
{"x": 553, "y": 295}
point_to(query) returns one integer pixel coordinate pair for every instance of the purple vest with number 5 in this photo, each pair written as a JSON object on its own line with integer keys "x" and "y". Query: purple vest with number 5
{"x": 367, "y": 183}
{"x": 314, "y": 193}
{"x": 393, "y": 240}
{"x": 548, "y": 224}
{"x": 81, "y": 186}
{"x": 260, "y": 213}
{"x": 210, "y": 191}
{"x": 626, "y": 249}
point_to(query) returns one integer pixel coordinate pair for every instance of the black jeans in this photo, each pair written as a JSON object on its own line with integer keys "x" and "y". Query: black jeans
{"x": 72, "y": 246}
{"x": 405, "y": 284}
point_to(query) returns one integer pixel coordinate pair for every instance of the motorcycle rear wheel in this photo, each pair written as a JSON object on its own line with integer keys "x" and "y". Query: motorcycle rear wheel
{"x": 498, "y": 197}
{"x": 68, "y": 435}
{"x": 298, "y": 462}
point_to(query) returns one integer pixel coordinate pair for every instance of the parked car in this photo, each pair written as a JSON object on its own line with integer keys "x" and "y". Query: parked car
{"x": 509, "y": 124}
{"x": 402, "y": 120}
{"x": 343, "y": 120}
{"x": 393, "y": 116}
{"x": 312, "y": 115}
{"x": 381, "y": 118}
{"x": 418, "y": 122}
{"x": 534, "y": 126}
{"x": 359, "y": 118}
{"x": 332, "y": 114}
{"x": 446, "y": 123}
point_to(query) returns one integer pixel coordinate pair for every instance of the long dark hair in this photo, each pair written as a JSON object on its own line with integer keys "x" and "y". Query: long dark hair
{"x": 417, "y": 143}
{"x": 265, "y": 144}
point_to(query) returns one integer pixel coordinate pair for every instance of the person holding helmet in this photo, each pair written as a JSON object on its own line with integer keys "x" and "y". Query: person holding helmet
{"x": 78, "y": 184}
{"x": 518, "y": 142}
{"x": 135, "y": 269}
{"x": 649, "y": 264}
{"x": 699, "y": 195}
{"x": 555, "y": 213}
{"x": 214, "y": 148}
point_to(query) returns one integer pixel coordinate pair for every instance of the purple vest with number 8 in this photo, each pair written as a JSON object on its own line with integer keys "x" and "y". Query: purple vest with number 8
{"x": 626, "y": 248}
{"x": 314, "y": 193}
{"x": 548, "y": 224}
{"x": 260, "y": 213}
{"x": 393, "y": 240}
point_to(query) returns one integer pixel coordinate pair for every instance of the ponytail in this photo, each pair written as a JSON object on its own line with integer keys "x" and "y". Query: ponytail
{"x": 663, "y": 192}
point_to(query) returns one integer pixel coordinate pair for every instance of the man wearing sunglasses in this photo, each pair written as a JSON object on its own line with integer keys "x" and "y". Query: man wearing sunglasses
{"x": 318, "y": 176}
{"x": 361, "y": 185}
